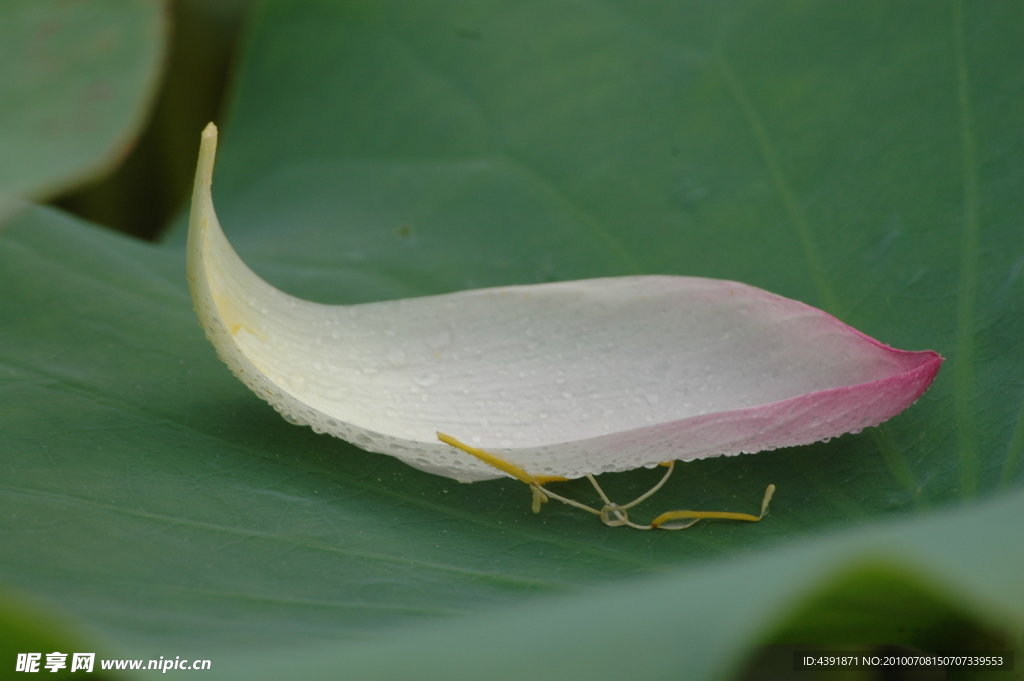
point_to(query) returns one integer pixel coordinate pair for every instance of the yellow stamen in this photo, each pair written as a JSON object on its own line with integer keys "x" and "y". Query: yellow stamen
{"x": 499, "y": 463}
{"x": 703, "y": 515}
{"x": 621, "y": 515}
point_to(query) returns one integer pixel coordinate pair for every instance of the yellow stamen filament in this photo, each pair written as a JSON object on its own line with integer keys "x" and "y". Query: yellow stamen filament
{"x": 702, "y": 515}
{"x": 499, "y": 463}
{"x": 610, "y": 509}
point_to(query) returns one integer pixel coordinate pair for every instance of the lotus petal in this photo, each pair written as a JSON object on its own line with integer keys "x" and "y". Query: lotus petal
{"x": 560, "y": 379}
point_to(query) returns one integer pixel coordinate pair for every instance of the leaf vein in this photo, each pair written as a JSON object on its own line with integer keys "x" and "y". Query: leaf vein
{"x": 963, "y": 371}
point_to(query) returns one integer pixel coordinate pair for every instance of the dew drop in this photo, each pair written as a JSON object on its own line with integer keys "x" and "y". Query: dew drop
{"x": 429, "y": 380}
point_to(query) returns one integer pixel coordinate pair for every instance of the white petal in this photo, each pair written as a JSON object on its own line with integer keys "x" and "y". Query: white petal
{"x": 561, "y": 379}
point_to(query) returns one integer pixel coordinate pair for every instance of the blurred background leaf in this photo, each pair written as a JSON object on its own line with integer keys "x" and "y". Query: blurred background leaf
{"x": 154, "y": 180}
{"x": 77, "y": 82}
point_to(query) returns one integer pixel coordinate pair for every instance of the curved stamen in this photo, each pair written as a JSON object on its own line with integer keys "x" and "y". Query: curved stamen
{"x": 541, "y": 495}
{"x": 695, "y": 516}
